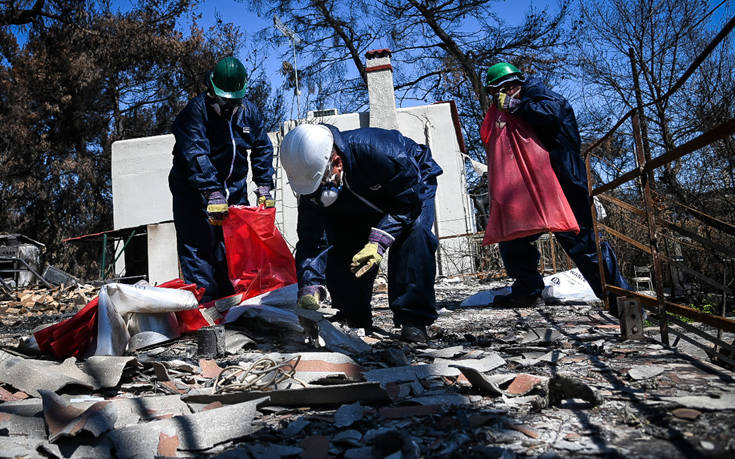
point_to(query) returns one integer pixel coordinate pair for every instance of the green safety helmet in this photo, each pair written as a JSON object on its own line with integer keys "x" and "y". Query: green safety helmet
{"x": 501, "y": 73}
{"x": 228, "y": 79}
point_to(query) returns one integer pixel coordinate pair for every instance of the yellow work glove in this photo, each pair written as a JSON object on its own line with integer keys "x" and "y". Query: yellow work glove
{"x": 310, "y": 297}
{"x": 505, "y": 102}
{"x": 366, "y": 259}
{"x": 264, "y": 197}
{"x": 216, "y": 207}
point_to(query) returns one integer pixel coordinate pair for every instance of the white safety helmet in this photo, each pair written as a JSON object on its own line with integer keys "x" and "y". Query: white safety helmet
{"x": 305, "y": 154}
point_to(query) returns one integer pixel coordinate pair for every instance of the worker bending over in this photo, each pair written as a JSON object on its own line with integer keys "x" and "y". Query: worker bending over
{"x": 361, "y": 193}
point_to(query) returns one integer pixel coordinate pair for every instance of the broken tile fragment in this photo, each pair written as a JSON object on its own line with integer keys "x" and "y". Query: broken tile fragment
{"x": 524, "y": 383}
{"x": 195, "y": 432}
{"x": 209, "y": 367}
{"x": 703, "y": 402}
{"x": 17, "y": 425}
{"x": 689, "y": 414}
{"x": 645, "y": 372}
{"x": 33, "y": 375}
{"x": 63, "y": 419}
{"x": 524, "y": 429}
{"x": 346, "y": 415}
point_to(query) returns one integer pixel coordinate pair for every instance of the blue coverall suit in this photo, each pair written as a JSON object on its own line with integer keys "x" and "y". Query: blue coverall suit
{"x": 210, "y": 154}
{"x": 552, "y": 119}
{"x": 389, "y": 183}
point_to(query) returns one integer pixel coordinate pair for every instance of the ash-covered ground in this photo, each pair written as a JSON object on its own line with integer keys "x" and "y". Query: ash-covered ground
{"x": 554, "y": 381}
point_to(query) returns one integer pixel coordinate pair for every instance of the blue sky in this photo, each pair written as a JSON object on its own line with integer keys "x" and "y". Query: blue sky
{"x": 512, "y": 11}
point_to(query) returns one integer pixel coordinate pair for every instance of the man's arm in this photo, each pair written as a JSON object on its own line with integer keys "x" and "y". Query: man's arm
{"x": 539, "y": 108}
{"x": 193, "y": 146}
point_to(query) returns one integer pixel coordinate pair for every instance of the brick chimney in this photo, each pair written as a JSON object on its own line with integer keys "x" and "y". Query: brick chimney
{"x": 381, "y": 96}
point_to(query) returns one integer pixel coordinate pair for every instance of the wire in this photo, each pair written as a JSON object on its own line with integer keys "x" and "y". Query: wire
{"x": 263, "y": 374}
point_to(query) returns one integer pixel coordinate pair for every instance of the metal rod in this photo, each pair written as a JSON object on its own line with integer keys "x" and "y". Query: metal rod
{"x": 651, "y": 303}
{"x": 717, "y": 133}
{"x": 104, "y": 257}
{"x": 28, "y": 268}
{"x": 703, "y": 334}
{"x": 627, "y": 239}
{"x": 689, "y": 71}
{"x": 600, "y": 262}
{"x": 652, "y": 231}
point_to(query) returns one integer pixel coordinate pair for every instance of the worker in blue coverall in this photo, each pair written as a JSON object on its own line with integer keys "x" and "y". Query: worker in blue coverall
{"x": 213, "y": 134}
{"x": 362, "y": 192}
{"x": 552, "y": 119}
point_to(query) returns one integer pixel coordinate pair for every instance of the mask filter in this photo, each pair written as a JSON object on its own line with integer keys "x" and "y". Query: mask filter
{"x": 330, "y": 193}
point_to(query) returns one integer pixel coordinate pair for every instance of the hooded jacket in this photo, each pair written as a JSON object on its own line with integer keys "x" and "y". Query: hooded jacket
{"x": 211, "y": 152}
{"x": 552, "y": 119}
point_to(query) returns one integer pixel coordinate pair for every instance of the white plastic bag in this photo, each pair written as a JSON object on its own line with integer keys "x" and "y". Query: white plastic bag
{"x": 144, "y": 298}
{"x": 150, "y": 309}
{"x": 568, "y": 287}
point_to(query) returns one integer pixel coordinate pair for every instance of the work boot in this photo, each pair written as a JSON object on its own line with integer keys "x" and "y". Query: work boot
{"x": 518, "y": 301}
{"x": 414, "y": 334}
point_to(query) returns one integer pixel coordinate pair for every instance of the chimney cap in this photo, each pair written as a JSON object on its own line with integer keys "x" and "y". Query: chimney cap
{"x": 372, "y": 54}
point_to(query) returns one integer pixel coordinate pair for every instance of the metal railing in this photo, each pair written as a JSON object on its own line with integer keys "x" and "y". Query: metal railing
{"x": 658, "y": 225}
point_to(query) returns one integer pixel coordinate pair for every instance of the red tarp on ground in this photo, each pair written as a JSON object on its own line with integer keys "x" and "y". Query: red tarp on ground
{"x": 72, "y": 336}
{"x": 524, "y": 194}
{"x": 258, "y": 259}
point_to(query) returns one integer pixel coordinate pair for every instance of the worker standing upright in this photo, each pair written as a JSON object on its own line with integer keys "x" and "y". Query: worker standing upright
{"x": 361, "y": 193}
{"x": 210, "y": 165}
{"x": 552, "y": 120}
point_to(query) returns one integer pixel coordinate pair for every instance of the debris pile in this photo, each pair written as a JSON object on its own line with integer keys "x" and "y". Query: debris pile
{"x": 285, "y": 382}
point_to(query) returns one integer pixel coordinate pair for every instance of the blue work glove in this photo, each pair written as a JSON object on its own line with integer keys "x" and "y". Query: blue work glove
{"x": 264, "y": 196}
{"x": 372, "y": 254}
{"x": 505, "y": 103}
{"x": 216, "y": 207}
{"x": 310, "y": 297}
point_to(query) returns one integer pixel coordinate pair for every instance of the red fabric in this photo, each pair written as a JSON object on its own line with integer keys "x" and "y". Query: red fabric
{"x": 524, "y": 194}
{"x": 258, "y": 261}
{"x": 72, "y": 336}
{"x": 258, "y": 258}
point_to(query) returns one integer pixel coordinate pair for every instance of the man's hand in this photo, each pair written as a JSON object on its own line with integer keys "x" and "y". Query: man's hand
{"x": 310, "y": 297}
{"x": 264, "y": 196}
{"x": 505, "y": 102}
{"x": 216, "y": 207}
{"x": 366, "y": 259}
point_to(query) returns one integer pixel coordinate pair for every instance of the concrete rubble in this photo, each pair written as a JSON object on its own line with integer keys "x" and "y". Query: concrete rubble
{"x": 554, "y": 381}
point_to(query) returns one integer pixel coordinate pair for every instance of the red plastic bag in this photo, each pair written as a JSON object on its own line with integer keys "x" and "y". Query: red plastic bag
{"x": 524, "y": 194}
{"x": 258, "y": 258}
{"x": 72, "y": 336}
{"x": 258, "y": 261}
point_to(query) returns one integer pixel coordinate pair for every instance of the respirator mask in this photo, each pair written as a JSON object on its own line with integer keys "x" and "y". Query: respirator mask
{"x": 328, "y": 191}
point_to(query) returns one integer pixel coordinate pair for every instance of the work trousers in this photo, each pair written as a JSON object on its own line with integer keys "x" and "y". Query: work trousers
{"x": 411, "y": 271}
{"x": 201, "y": 247}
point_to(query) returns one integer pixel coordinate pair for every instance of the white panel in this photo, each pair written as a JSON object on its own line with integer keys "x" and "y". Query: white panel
{"x": 140, "y": 193}
{"x": 163, "y": 260}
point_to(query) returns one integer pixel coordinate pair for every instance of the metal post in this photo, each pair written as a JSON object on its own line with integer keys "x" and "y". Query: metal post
{"x": 652, "y": 234}
{"x": 647, "y": 180}
{"x": 295, "y": 39}
{"x": 103, "y": 262}
{"x": 600, "y": 262}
